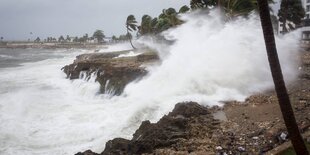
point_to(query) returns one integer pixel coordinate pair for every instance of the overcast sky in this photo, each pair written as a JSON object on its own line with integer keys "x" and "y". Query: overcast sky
{"x": 73, "y": 17}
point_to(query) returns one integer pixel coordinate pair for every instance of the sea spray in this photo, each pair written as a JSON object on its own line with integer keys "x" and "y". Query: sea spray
{"x": 212, "y": 60}
{"x": 116, "y": 47}
{"x": 42, "y": 112}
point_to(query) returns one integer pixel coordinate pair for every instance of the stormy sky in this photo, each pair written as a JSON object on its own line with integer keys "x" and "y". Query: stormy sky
{"x": 73, "y": 17}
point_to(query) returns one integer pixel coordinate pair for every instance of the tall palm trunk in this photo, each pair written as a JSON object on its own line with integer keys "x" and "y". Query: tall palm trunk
{"x": 284, "y": 101}
{"x": 128, "y": 34}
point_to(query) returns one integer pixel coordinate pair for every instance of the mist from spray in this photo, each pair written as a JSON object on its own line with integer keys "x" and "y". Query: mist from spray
{"x": 212, "y": 61}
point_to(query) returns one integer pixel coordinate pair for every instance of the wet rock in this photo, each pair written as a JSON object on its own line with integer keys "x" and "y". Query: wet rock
{"x": 170, "y": 134}
{"x": 190, "y": 109}
{"x": 112, "y": 71}
{"x": 88, "y": 152}
{"x": 169, "y": 130}
{"x": 116, "y": 146}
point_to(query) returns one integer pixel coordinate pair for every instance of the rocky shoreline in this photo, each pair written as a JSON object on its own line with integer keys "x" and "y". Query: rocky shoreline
{"x": 113, "y": 70}
{"x": 251, "y": 127}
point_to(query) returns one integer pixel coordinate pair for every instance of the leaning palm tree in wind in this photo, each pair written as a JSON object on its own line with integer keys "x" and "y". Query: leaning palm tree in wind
{"x": 131, "y": 25}
{"x": 284, "y": 101}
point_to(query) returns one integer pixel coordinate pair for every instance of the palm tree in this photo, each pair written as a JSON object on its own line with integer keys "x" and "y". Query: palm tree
{"x": 196, "y": 4}
{"x": 231, "y": 8}
{"x": 99, "y": 35}
{"x": 290, "y": 10}
{"x": 68, "y": 38}
{"x": 153, "y": 25}
{"x": 131, "y": 25}
{"x": 85, "y": 37}
{"x": 76, "y": 39}
{"x": 234, "y": 8}
{"x": 170, "y": 15}
{"x": 37, "y": 39}
{"x": 162, "y": 24}
{"x": 145, "y": 27}
{"x": 61, "y": 39}
{"x": 284, "y": 101}
{"x": 184, "y": 9}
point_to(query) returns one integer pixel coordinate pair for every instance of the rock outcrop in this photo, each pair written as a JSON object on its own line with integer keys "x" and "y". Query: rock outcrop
{"x": 113, "y": 70}
{"x": 176, "y": 131}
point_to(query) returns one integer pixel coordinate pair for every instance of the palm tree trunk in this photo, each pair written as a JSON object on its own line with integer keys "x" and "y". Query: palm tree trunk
{"x": 284, "y": 28}
{"x": 128, "y": 34}
{"x": 284, "y": 101}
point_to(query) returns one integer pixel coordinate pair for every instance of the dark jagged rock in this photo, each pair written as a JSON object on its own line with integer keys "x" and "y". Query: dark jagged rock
{"x": 170, "y": 131}
{"x": 189, "y": 110}
{"x": 112, "y": 72}
{"x": 88, "y": 152}
{"x": 116, "y": 146}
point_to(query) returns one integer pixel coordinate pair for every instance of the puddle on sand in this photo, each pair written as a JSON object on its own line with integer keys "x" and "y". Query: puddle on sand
{"x": 220, "y": 115}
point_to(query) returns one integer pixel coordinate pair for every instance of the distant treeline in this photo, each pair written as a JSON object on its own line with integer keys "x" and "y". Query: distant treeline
{"x": 97, "y": 37}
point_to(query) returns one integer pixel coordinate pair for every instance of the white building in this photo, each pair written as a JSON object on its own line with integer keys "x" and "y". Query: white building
{"x": 306, "y": 23}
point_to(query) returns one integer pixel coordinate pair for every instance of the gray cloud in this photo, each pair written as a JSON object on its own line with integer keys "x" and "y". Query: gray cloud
{"x": 73, "y": 17}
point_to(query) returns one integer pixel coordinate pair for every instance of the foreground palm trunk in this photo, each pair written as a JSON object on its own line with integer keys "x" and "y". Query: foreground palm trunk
{"x": 284, "y": 101}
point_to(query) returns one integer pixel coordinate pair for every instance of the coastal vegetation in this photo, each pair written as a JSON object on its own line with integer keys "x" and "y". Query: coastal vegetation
{"x": 169, "y": 18}
{"x": 97, "y": 37}
{"x": 231, "y": 9}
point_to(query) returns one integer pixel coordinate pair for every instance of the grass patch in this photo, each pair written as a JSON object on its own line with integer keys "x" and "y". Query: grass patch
{"x": 291, "y": 151}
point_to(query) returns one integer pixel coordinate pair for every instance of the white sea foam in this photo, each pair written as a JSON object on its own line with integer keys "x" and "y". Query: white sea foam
{"x": 117, "y": 47}
{"x": 6, "y": 56}
{"x": 42, "y": 112}
{"x": 129, "y": 54}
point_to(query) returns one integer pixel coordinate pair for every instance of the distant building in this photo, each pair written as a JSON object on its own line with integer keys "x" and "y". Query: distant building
{"x": 306, "y": 22}
{"x": 91, "y": 40}
{"x": 71, "y": 39}
{"x": 107, "y": 39}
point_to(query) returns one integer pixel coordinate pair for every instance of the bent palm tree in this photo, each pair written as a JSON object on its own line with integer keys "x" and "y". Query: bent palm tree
{"x": 234, "y": 8}
{"x": 131, "y": 25}
{"x": 145, "y": 27}
{"x": 284, "y": 101}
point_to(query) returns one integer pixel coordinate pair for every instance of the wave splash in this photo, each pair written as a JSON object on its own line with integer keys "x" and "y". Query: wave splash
{"x": 212, "y": 61}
